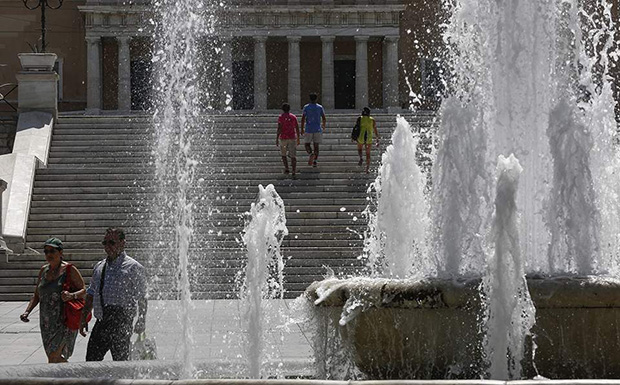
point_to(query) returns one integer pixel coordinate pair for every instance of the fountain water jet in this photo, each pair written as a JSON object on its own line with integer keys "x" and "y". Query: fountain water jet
{"x": 527, "y": 80}
{"x": 509, "y": 312}
{"x": 177, "y": 126}
{"x": 401, "y": 213}
{"x": 264, "y": 278}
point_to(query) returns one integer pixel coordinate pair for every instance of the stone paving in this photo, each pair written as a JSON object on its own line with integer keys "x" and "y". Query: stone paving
{"x": 216, "y": 332}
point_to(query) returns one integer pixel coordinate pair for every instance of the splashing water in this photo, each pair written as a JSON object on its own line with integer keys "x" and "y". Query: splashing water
{"x": 527, "y": 80}
{"x": 460, "y": 192}
{"x": 510, "y": 311}
{"x": 574, "y": 217}
{"x": 519, "y": 68}
{"x": 179, "y": 24}
{"x": 396, "y": 241}
{"x": 264, "y": 277}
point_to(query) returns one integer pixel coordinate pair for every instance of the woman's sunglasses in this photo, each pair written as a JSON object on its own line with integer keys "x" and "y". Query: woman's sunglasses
{"x": 111, "y": 243}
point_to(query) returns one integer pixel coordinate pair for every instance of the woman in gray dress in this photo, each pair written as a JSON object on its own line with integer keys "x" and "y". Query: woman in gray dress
{"x": 58, "y": 339}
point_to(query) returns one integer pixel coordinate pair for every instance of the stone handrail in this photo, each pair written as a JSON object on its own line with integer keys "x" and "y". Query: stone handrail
{"x": 546, "y": 292}
{"x": 30, "y": 151}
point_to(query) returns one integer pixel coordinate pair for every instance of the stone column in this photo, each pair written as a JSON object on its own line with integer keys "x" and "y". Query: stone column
{"x": 390, "y": 73}
{"x": 327, "y": 72}
{"x": 226, "y": 84}
{"x": 294, "y": 74}
{"x": 124, "y": 74}
{"x": 361, "y": 72}
{"x": 3, "y": 248}
{"x": 260, "y": 73}
{"x": 93, "y": 75}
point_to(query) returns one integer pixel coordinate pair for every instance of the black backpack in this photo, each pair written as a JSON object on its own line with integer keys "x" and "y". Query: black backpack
{"x": 355, "y": 133}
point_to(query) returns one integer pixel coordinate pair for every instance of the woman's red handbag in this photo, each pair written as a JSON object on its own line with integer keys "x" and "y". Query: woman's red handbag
{"x": 73, "y": 308}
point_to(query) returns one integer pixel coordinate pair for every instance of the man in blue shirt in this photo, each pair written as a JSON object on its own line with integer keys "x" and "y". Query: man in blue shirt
{"x": 117, "y": 289}
{"x": 312, "y": 127}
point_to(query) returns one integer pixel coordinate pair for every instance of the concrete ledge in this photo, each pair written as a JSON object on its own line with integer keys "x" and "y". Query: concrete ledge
{"x": 156, "y": 371}
{"x": 38, "y": 91}
{"x": 30, "y": 151}
{"x": 95, "y": 381}
{"x": 546, "y": 292}
{"x": 34, "y": 135}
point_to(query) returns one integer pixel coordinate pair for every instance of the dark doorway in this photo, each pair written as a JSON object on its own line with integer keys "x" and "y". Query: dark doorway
{"x": 243, "y": 85}
{"x": 344, "y": 84}
{"x": 141, "y": 84}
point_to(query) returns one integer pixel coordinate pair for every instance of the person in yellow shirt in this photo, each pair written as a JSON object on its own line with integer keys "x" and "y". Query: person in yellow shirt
{"x": 368, "y": 129}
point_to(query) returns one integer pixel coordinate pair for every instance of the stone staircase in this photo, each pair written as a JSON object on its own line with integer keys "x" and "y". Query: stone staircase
{"x": 100, "y": 174}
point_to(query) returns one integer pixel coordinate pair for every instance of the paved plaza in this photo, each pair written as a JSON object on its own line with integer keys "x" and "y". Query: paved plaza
{"x": 216, "y": 331}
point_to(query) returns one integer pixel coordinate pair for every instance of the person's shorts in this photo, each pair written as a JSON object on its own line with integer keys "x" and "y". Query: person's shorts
{"x": 289, "y": 145}
{"x": 313, "y": 137}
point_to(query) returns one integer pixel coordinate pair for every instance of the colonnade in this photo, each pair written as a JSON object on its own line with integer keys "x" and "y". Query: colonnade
{"x": 390, "y": 72}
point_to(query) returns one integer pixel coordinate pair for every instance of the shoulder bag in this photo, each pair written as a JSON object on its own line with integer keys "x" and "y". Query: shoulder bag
{"x": 355, "y": 133}
{"x": 73, "y": 308}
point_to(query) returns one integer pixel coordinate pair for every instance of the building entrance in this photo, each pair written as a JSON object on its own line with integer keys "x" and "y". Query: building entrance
{"x": 243, "y": 85}
{"x": 344, "y": 84}
{"x": 141, "y": 84}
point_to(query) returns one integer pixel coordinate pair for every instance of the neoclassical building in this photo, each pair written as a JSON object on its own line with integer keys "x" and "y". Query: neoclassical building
{"x": 380, "y": 53}
{"x": 346, "y": 51}
{"x": 352, "y": 53}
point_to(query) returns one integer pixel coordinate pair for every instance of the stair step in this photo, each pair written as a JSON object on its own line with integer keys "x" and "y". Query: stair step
{"x": 101, "y": 173}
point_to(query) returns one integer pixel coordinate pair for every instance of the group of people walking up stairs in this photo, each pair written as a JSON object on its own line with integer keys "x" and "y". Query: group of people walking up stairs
{"x": 313, "y": 125}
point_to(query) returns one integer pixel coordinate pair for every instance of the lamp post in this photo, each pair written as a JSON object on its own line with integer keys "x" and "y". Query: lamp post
{"x": 42, "y": 4}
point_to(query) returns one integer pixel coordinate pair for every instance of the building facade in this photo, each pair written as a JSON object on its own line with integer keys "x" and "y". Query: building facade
{"x": 352, "y": 53}
{"x": 385, "y": 54}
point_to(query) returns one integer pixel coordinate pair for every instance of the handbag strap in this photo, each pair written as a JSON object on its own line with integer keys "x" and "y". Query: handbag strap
{"x": 66, "y": 286}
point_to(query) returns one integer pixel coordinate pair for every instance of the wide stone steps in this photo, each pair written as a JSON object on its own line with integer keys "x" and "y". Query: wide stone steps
{"x": 94, "y": 122}
{"x": 93, "y": 238}
{"x": 225, "y": 180}
{"x": 265, "y": 141}
{"x": 101, "y": 173}
{"x": 144, "y": 228}
{"x": 334, "y": 160}
{"x": 85, "y": 208}
{"x": 261, "y": 150}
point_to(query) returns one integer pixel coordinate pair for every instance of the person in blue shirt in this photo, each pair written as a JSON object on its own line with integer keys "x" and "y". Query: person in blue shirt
{"x": 117, "y": 291}
{"x": 312, "y": 127}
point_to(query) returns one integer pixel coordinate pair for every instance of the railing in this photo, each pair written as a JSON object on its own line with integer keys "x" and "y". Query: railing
{"x": 3, "y": 94}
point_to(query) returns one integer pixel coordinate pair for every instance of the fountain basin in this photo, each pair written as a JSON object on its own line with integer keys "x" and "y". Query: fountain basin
{"x": 429, "y": 329}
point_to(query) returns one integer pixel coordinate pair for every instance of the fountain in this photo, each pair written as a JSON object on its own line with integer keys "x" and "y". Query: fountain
{"x": 513, "y": 283}
{"x": 500, "y": 269}
{"x": 264, "y": 278}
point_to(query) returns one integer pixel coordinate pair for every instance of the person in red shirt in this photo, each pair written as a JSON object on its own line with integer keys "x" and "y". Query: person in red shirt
{"x": 287, "y": 137}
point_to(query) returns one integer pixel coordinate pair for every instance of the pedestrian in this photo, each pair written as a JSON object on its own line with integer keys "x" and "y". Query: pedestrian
{"x": 117, "y": 289}
{"x": 50, "y": 294}
{"x": 287, "y": 137}
{"x": 368, "y": 127}
{"x": 312, "y": 128}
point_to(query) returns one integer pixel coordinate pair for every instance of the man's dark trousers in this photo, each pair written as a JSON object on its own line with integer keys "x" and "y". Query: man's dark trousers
{"x": 113, "y": 333}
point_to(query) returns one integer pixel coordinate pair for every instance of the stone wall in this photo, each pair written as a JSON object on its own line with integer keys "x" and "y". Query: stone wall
{"x": 65, "y": 37}
{"x": 8, "y": 126}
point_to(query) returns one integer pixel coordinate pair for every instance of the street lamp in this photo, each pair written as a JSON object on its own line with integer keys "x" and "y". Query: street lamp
{"x": 42, "y": 4}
